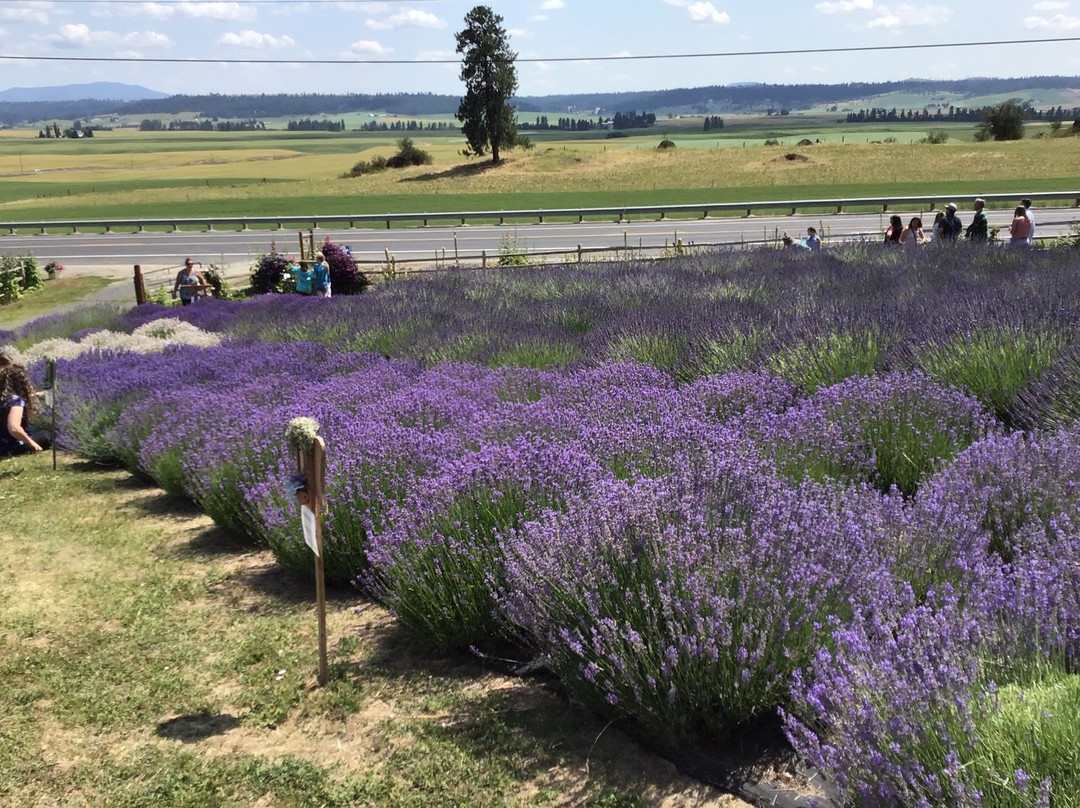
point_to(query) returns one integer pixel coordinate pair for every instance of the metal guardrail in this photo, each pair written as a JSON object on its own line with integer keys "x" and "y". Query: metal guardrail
{"x": 621, "y": 213}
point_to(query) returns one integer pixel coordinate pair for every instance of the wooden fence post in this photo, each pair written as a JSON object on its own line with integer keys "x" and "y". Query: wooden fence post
{"x": 311, "y": 492}
{"x": 140, "y": 286}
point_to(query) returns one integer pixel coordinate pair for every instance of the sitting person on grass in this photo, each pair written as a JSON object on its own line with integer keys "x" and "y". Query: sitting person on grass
{"x": 17, "y": 399}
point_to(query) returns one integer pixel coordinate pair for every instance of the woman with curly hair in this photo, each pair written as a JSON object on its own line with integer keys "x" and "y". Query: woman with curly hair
{"x": 16, "y": 408}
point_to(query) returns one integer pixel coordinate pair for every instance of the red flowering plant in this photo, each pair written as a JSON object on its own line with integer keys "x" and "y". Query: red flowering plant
{"x": 53, "y": 269}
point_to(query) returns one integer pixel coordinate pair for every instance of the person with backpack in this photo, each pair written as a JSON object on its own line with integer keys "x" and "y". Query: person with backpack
{"x": 979, "y": 229}
{"x": 951, "y": 224}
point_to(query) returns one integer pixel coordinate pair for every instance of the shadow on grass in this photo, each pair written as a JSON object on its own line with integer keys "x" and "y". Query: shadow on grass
{"x": 196, "y": 727}
{"x": 457, "y": 172}
{"x": 289, "y": 587}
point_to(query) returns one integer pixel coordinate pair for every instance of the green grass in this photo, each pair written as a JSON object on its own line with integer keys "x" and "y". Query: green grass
{"x": 126, "y": 174}
{"x": 54, "y": 293}
{"x": 150, "y": 658}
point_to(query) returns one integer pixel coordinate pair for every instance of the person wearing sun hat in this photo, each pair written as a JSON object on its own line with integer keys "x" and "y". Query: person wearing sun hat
{"x": 951, "y": 224}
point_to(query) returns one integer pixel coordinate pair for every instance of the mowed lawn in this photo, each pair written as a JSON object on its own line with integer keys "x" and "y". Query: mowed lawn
{"x": 128, "y": 174}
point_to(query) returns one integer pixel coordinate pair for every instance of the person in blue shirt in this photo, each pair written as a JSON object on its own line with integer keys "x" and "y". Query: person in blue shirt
{"x": 303, "y": 278}
{"x": 813, "y": 240}
{"x": 320, "y": 276}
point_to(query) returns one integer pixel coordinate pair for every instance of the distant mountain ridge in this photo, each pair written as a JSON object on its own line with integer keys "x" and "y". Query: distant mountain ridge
{"x": 95, "y": 91}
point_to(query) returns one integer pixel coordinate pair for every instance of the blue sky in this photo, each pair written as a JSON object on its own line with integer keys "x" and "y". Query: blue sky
{"x": 541, "y": 30}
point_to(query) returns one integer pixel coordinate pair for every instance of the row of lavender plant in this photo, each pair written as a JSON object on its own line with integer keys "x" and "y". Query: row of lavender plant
{"x": 993, "y": 323}
{"x": 679, "y": 554}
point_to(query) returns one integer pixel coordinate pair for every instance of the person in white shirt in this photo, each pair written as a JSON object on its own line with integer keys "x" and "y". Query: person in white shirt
{"x": 1031, "y": 218}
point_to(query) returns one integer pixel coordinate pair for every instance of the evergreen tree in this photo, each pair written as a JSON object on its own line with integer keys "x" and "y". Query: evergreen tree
{"x": 487, "y": 69}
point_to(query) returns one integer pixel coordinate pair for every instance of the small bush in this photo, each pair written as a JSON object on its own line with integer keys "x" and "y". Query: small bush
{"x": 10, "y": 279}
{"x": 31, "y": 273}
{"x": 936, "y": 137}
{"x": 666, "y": 144}
{"x": 345, "y": 276}
{"x": 269, "y": 272}
{"x": 408, "y": 155}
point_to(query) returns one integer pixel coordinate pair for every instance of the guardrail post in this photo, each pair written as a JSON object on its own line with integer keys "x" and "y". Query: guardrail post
{"x": 580, "y": 218}
{"x": 209, "y": 227}
{"x": 108, "y": 228}
{"x": 387, "y": 224}
{"x": 839, "y": 208}
{"x": 705, "y": 214}
{"x": 541, "y": 218}
{"x": 502, "y": 220}
{"x": 462, "y": 221}
{"x": 663, "y": 215}
{"x": 425, "y": 221}
{"x": 579, "y": 253}
{"x": 483, "y": 258}
{"x": 792, "y": 210}
{"x": 43, "y": 230}
{"x": 176, "y": 227}
{"x": 142, "y": 228}
{"x": 140, "y": 286}
{"x": 884, "y": 207}
{"x": 74, "y": 229}
{"x": 244, "y": 226}
{"x": 749, "y": 212}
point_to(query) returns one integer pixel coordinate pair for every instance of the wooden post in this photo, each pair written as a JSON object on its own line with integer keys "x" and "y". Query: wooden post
{"x": 140, "y": 286}
{"x": 50, "y": 385}
{"x": 312, "y": 463}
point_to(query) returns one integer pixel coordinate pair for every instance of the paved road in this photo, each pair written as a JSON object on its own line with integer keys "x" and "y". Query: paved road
{"x": 117, "y": 252}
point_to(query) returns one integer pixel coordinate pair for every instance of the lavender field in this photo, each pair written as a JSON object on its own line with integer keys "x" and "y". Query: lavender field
{"x": 834, "y": 491}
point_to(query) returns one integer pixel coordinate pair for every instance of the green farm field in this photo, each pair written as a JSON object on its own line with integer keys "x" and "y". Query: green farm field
{"x": 130, "y": 174}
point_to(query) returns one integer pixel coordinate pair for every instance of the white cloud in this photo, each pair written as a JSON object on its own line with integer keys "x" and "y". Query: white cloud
{"x": 539, "y": 18}
{"x": 408, "y": 18}
{"x": 1050, "y": 5}
{"x": 221, "y": 12}
{"x": 551, "y": 5}
{"x": 26, "y": 12}
{"x": 520, "y": 33}
{"x": 145, "y": 39}
{"x": 701, "y": 11}
{"x": 1059, "y": 22}
{"x": 707, "y": 12}
{"x": 844, "y": 6}
{"x": 370, "y": 46}
{"x": 80, "y": 34}
{"x": 256, "y": 41}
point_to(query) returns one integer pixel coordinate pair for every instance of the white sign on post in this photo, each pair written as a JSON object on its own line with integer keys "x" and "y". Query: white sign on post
{"x": 307, "y": 518}
{"x": 47, "y": 398}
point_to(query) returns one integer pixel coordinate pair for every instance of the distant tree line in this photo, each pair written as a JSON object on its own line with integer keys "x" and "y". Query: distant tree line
{"x": 543, "y": 124}
{"x": 316, "y": 125}
{"x": 76, "y": 130}
{"x": 713, "y": 123}
{"x": 956, "y": 114}
{"x": 406, "y": 126}
{"x": 202, "y": 125}
{"x": 632, "y": 120}
{"x": 704, "y": 100}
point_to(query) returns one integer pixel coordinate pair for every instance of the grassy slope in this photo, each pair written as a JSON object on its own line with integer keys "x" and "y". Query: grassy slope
{"x": 44, "y": 300}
